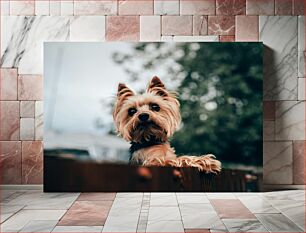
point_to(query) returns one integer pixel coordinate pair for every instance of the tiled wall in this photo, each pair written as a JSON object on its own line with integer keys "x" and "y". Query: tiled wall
{"x": 25, "y": 25}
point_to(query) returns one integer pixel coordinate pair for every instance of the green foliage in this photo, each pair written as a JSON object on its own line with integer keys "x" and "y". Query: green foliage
{"x": 220, "y": 91}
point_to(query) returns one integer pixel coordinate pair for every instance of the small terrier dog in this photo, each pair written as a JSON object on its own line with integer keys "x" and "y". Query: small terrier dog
{"x": 147, "y": 121}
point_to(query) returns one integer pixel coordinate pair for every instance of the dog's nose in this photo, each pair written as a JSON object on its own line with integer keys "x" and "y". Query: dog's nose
{"x": 143, "y": 117}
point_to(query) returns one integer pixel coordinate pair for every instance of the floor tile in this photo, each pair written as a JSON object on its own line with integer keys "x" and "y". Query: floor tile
{"x": 6, "y": 193}
{"x": 231, "y": 208}
{"x": 39, "y": 226}
{"x": 129, "y": 195}
{"x": 239, "y": 225}
{"x": 220, "y": 196}
{"x": 277, "y": 223}
{"x": 84, "y": 229}
{"x": 20, "y": 219}
{"x": 96, "y": 197}
{"x": 197, "y": 231}
{"x": 189, "y": 209}
{"x": 165, "y": 226}
{"x": 297, "y": 195}
{"x": 86, "y": 213}
{"x": 257, "y": 205}
{"x": 157, "y": 213}
{"x": 206, "y": 220}
{"x": 163, "y": 200}
{"x": 9, "y": 210}
{"x": 185, "y": 198}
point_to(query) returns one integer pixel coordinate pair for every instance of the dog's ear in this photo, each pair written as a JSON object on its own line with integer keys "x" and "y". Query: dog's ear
{"x": 124, "y": 91}
{"x": 157, "y": 87}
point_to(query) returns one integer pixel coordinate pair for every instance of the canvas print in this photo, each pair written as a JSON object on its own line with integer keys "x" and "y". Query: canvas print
{"x": 153, "y": 116}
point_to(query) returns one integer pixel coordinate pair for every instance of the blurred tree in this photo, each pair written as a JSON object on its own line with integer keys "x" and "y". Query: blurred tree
{"x": 220, "y": 91}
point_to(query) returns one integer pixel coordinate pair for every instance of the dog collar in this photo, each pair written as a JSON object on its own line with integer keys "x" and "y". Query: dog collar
{"x": 135, "y": 146}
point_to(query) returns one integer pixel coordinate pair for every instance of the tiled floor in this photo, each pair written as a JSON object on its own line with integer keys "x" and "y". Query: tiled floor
{"x": 35, "y": 211}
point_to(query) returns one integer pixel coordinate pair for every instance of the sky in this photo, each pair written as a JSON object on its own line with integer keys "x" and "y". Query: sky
{"x": 78, "y": 79}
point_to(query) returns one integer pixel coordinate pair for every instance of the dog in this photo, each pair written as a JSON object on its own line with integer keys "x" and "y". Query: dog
{"x": 148, "y": 121}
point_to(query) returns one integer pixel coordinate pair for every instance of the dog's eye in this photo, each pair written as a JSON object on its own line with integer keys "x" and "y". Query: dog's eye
{"x": 132, "y": 111}
{"x": 155, "y": 107}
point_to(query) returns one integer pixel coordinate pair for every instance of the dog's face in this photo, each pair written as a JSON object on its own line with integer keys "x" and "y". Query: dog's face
{"x": 153, "y": 115}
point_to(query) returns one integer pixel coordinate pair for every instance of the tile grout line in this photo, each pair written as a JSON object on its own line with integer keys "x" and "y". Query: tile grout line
{"x": 146, "y": 197}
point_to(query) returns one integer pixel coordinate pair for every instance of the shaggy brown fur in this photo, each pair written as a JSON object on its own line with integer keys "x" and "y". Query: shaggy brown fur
{"x": 161, "y": 108}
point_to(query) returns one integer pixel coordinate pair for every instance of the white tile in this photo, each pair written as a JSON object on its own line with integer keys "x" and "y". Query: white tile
{"x": 163, "y": 200}
{"x": 185, "y": 198}
{"x": 27, "y": 109}
{"x": 166, "y": 38}
{"x": 165, "y": 226}
{"x": 8, "y": 210}
{"x": 279, "y": 35}
{"x": 294, "y": 195}
{"x": 290, "y": 120}
{"x": 150, "y": 28}
{"x": 301, "y": 46}
{"x": 277, "y": 161}
{"x": 39, "y": 226}
{"x": 42, "y": 7}
{"x": 22, "y": 7}
{"x": 39, "y": 120}
{"x": 257, "y": 205}
{"x": 201, "y": 221}
{"x": 105, "y": 7}
{"x": 27, "y": 129}
{"x": 277, "y": 223}
{"x": 5, "y": 7}
{"x": 220, "y": 196}
{"x": 132, "y": 195}
{"x": 166, "y": 7}
{"x": 239, "y": 225}
{"x": 66, "y": 7}
{"x": 78, "y": 229}
{"x": 87, "y": 28}
{"x": 20, "y": 219}
{"x": 301, "y": 89}
{"x": 157, "y": 213}
{"x": 196, "y": 38}
{"x": 55, "y": 7}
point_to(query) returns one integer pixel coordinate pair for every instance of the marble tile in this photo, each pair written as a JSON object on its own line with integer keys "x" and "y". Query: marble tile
{"x": 277, "y": 161}
{"x": 299, "y": 162}
{"x": 277, "y": 223}
{"x": 268, "y": 130}
{"x": 203, "y": 7}
{"x": 4, "y": 194}
{"x": 122, "y": 28}
{"x": 87, "y": 28}
{"x": 107, "y": 7}
{"x": 290, "y": 120}
{"x": 32, "y": 162}
{"x": 66, "y": 7}
{"x": 257, "y": 205}
{"x": 165, "y": 226}
{"x": 55, "y": 8}
{"x": 298, "y": 7}
{"x": 230, "y": 7}
{"x": 246, "y": 28}
{"x": 8, "y": 88}
{"x": 97, "y": 196}
{"x": 169, "y": 213}
{"x": 78, "y": 229}
{"x": 163, "y": 200}
{"x": 301, "y": 47}
{"x": 238, "y": 225}
{"x": 260, "y": 7}
{"x": 167, "y": 7}
{"x": 197, "y": 230}
{"x": 231, "y": 209}
{"x": 19, "y": 34}
{"x": 301, "y": 89}
{"x": 220, "y": 195}
{"x": 8, "y": 199}
{"x": 191, "y": 199}
{"x": 196, "y": 38}
{"x": 9, "y": 120}
{"x": 269, "y": 110}
{"x": 86, "y": 213}
{"x": 27, "y": 109}
{"x": 30, "y": 87}
{"x": 293, "y": 195}
{"x": 27, "y": 129}
{"x": 39, "y": 120}
{"x": 227, "y": 38}
{"x": 200, "y": 25}
{"x": 5, "y": 7}
{"x": 129, "y": 195}
{"x": 150, "y": 28}
{"x": 39, "y": 226}
{"x": 22, "y": 7}
{"x": 221, "y": 25}
{"x": 166, "y": 38}
{"x": 135, "y": 7}
{"x": 9, "y": 210}
{"x": 176, "y": 25}
{"x": 21, "y": 219}
{"x": 283, "y": 7}
{"x": 42, "y": 7}
{"x": 279, "y": 35}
